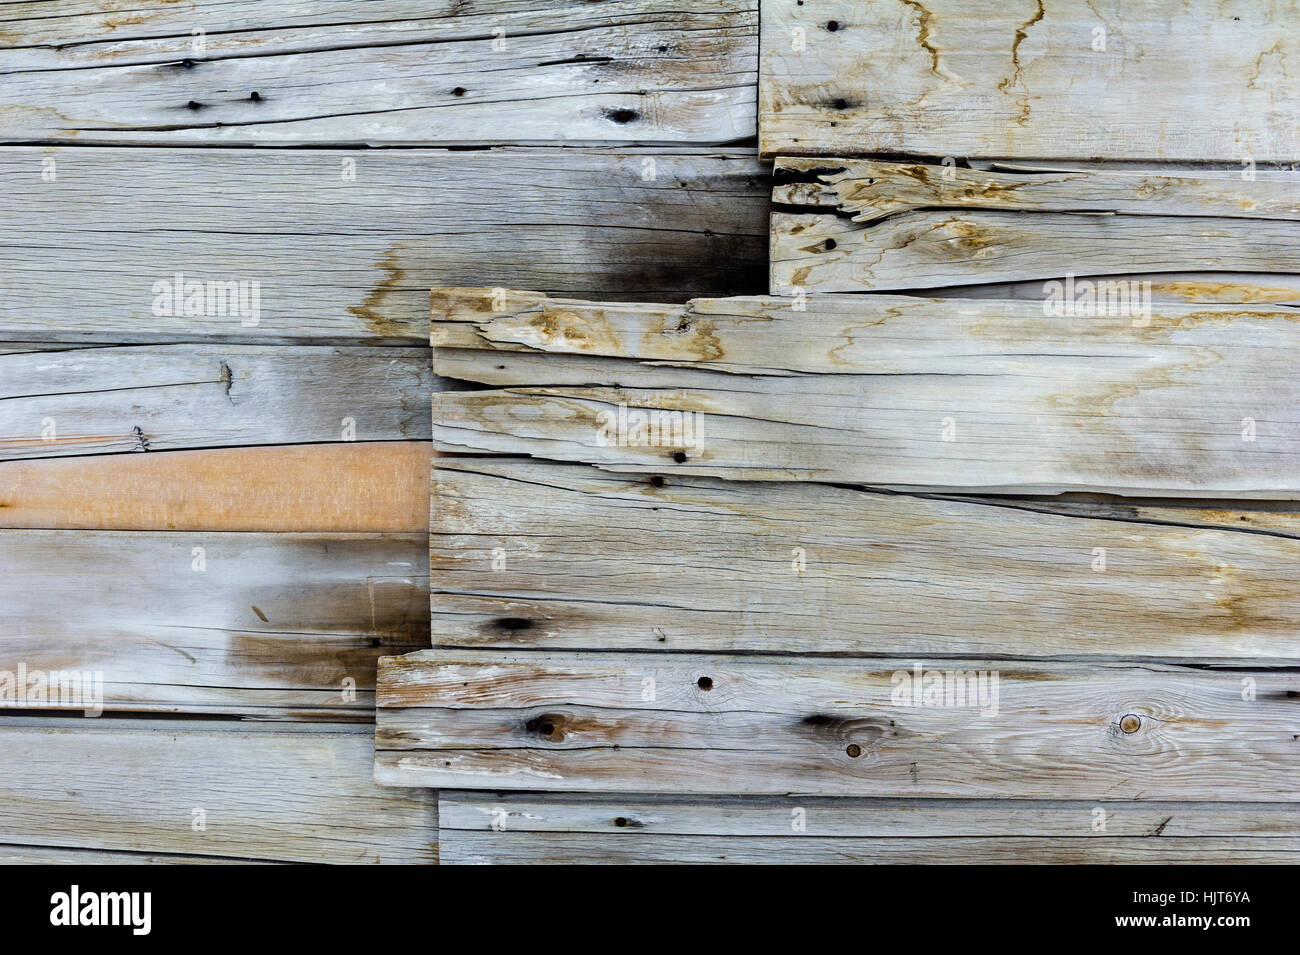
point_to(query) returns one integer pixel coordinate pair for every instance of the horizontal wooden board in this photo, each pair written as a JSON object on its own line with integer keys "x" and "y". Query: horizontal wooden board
{"x": 362, "y": 486}
{"x": 870, "y": 190}
{"x": 148, "y": 398}
{"x": 36, "y": 855}
{"x": 1164, "y": 80}
{"x": 275, "y": 626}
{"x": 530, "y": 554}
{"x": 892, "y": 391}
{"x": 562, "y": 848}
{"x": 505, "y": 828}
{"x": 647, "y": 816}
{"x": 227, "y": 789}
{"x": 684, "y": 723}
{"x": 352, "y": 259}
{"x": 846, "y": 225}
{"x": 395, "y": 72}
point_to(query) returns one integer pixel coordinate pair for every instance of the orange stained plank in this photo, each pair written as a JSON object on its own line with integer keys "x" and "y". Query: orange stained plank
{"x": 367, "y": 486}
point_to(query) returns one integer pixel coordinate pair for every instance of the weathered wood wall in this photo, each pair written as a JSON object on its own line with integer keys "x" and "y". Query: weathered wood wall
{"x": 135, "y": 433}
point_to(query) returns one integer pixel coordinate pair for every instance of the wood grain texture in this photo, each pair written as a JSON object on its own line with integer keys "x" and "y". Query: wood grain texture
{"x": 274, "y": 626}
{"x": 1221, "y": 288}
{"x": 647, "y": 816}
{"x": 266, "y": 792}
{"x": 396, "y": 72}
{"x": 479, "y": 848}
{"x": 897, "y": 392}
{"x": 377, "y": 486}
{"x": 870, "y": 190}
{"x": 504, "y": 828}
{"x": 847, "y": 225}
{"x": 690, "y": 723}
{"x": 529, "y": 554}
{"x": 36, "y": 855}
{"x": 347, "y": 260}
{"x": 1169, "y": 80}
{"x": 151, "y": 398}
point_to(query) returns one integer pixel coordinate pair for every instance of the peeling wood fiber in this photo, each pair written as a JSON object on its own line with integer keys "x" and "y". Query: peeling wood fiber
{"x": 845, "y": 225}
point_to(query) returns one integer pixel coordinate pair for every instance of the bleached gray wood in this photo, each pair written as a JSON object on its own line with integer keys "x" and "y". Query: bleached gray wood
{"x": 266, "y": 791}
{"x": 274, "y": 626}
{"x": 347, "y": 260}
{"x": 691, "y": 723}
{"x": 539, "y": 555}
{"x": 397, "y": 72}
{"x": 551, "y": 848}
{"x": 1036, "y": 79}
{"x": 150, "y": 398}
{"x": 893, "y": 391}
{"x": 650, "y": 816}
{"x": 35, "y": 855}
{"x": 844, "y": 225}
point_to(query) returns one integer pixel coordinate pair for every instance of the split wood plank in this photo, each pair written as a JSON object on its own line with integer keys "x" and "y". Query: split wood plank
{"x": 688, "y": 723}
{"x": 1223, "y": 288}
{"x": 850, "y": 226}
{"x": 893, "y": 391}
{"x": 265, "y": 791}
{"x": 149, "y": 398}
{"x": 273, "y": 626}
{"x": 378, "y": 486}
{"x": 396, "y": 72}
{"x": 1194, "y": 80}
{"x": 346, "y": 246}
{"x": 506, "y": 828}
{"x": 538, "y": 555}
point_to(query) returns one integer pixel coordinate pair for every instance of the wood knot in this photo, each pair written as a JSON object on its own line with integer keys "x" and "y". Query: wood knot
{"x": 1130, "y": 723}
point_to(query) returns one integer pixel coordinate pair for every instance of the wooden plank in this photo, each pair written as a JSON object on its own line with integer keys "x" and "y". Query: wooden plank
{"x": 151, "y": 398}
{"x": 551, "y": 848}
{"x": 690, "y": 723}
{"x": 590, "y": 223}
{"x": 901, "y": 392}
{"x": 869, "y": 190}
{"x": 529, "y": 554}
{"x": 1223, "y": 288}
{"x": 850, "y": 226}
{"x": 1038, "y": 79}
{"x": 36, "y": 855}
{"x": 397, "y": 72}
{"x": 216, "y": 788}
{"x": 275, "y": 626}
{"x": 378, "y": 486}
{"x": 633, "y": 816}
